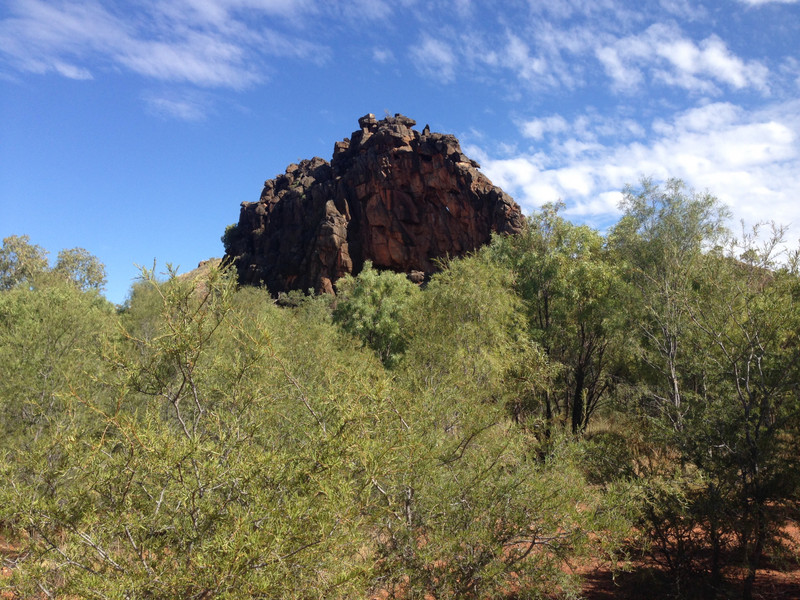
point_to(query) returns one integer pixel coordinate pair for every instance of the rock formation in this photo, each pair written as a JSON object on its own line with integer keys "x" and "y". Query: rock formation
{"x": 392, "y": 195}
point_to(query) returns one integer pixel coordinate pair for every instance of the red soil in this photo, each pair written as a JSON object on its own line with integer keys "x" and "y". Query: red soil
{"x": 776, "y": 580}
{"x": 646, "y": 580}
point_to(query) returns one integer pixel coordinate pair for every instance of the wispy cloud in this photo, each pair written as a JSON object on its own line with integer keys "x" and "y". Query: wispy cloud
{"x": 434, "y": 58}
{"x": 382, "y": 55}
{"x": 210, "y": 43}
{"x": 71, "y": 71}
{"x": 537, "y": 128}
{"x": 40, "y": 37}
{"x": 199, "y": 58}
{"x": 518, "y": 57}
{"x": 186, "y": 106}
{"x": 667, "y": 56}
{"x": 762, "y": 2}
{"x": 362, "y": 10}
{"x": 686, "y": 9}
{"x": 464, "y": 8}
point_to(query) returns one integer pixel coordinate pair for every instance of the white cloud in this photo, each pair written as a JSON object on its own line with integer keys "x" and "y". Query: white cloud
{"x": 605, "y": 203}
{"x": 213, "y": 43}
{"x": 359, "y": 10}
{"x": 684, "y": 8}
{"x": 669, "y": 57}
{"x": 274, "y": 43}
{"x": 749, "y": 160}
{"x": 71, "y": 71}
{"x": 39, "y": 37}
{"x": 537, "y": 128}
{"x": 703, "y": 118}
{"x": 625, "y": 77}
{"x": 518, "y": 57}
{"x": 566, "y": 9}
{"x": 226, "y": 14}
{"x": 434, "y": 58}
{"x": 762, "y": 2}
{"x": 463, "y": 8}
{"x": 186, "y": 107}
{"x": 382, "y": 55}
{"x": 539, "y": 58}
{"x": 200, "y": 59}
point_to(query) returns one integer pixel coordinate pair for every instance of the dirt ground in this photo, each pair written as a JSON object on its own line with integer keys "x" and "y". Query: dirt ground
{"x": 644, "y": 581}
{"x": 777, "y": 580}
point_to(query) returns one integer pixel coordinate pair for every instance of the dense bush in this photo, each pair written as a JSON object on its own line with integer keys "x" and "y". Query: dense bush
{"x": 528, "y": 407}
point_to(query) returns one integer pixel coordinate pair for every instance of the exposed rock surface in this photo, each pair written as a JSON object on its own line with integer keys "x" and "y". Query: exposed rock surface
{"x": 390, "y": 194}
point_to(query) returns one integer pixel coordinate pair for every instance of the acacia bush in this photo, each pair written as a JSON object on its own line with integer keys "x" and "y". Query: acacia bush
{"x": 205, "y": 442}
{"x": 472, "y": 439}
{"x": 473, "y": 500}
{"x": 370, "y": 306}
{"x": 206, "y": 460}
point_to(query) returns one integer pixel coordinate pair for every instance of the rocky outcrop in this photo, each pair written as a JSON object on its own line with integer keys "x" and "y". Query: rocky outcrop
{"x": 391, "y": 194}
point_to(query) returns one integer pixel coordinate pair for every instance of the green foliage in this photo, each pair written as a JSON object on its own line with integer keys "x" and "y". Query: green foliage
{"x": 207, "y": 441}
{"x": 140, "y": 315}
{"x": 370, "y": 306}
{"x": 82, "y": 268}
{"x": 469, "y": 500}
{"x": 719, "y": 372}
{"x": 744, "y": 436}
{"x": 23, "y": 263}
{"x": 20, "y": 261}
{"x": 607, "y": 457}
{"x": 480, "y": 507}
{"x": 665, "y": 225}
{"x": 571, "y": 290}
{"x": 48, "y": 338}
{"x": 466, "y": 330}
{"x": 230, "y": 238}
{"x": 661, "y": 239}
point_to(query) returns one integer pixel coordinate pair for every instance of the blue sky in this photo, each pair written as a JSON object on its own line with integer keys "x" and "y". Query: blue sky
{"x": 135, "y": 129}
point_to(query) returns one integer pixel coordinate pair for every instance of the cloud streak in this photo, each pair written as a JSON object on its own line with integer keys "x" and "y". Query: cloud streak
{"x": 184, "y": 107}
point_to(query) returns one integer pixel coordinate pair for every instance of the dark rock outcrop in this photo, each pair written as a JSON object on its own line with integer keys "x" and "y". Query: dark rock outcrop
{"x": 390, "y": 194}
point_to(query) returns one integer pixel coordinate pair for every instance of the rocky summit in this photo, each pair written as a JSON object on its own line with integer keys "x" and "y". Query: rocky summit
{"x": 392, "y": 195}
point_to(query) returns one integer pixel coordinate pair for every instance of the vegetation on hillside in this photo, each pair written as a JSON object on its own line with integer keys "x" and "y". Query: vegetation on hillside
{"x": 558, "y": 396}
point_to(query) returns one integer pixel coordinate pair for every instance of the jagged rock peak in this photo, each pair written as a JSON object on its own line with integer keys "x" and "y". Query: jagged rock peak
{"x": 391, "y": 194}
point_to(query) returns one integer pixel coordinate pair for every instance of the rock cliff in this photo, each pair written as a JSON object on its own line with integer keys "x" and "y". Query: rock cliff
{"x": 391, "y": 194}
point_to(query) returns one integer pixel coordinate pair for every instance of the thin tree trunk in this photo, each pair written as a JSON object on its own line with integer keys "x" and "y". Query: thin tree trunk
{"x": 578, "y": 400}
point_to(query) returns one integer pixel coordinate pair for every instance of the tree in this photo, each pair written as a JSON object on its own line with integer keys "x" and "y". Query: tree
{"x": 370, "y": 307}
{"x": 81, "y": 267}
{"x": 570, "y": 290}
{"x": 745, "y": 435}
{"x": 661, "y": 238}
{"x": 473, "y": 497}
{"x": 206, "y": 442}
{"x": 48, "y": 335}
{"x": 23, "y": 263}
{"x": 20, "y": 261}
{"x": 466, "y": 329}
{"x": 720, "y": 366}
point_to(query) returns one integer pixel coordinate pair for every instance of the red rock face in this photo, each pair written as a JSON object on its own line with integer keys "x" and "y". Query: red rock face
{"x": 390, "y": 194}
